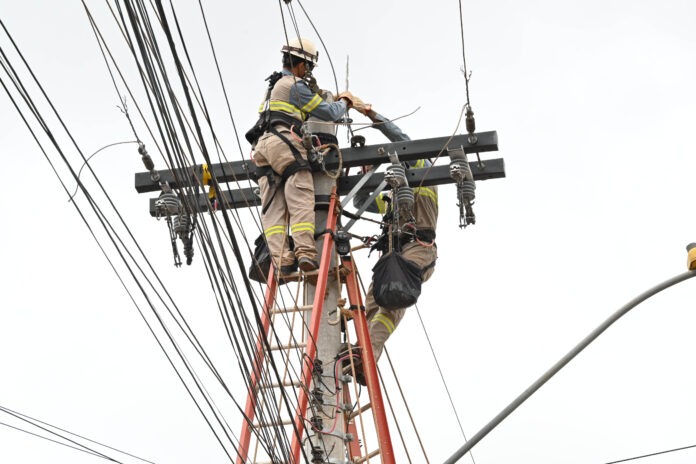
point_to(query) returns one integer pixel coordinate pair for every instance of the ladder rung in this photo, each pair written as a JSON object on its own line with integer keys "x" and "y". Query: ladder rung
{"x": 295, "y": 309}
{"x": 355, "y": 414}
{"x": 295, "y": 276}
{"x": 284, "y": 384}
{"x": 365, "y": 458}
{"x": 289, "y": 346}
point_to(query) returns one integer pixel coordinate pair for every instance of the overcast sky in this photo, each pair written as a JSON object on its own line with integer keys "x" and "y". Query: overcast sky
{"x": 594, "y": 105}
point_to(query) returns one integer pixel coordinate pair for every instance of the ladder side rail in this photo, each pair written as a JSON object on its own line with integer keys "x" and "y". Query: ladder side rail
{"x": 368, "y": 361}
{"x": 317, "y": 309}
{"x": 351, "y": 427}
{"x": 250, "y": 407}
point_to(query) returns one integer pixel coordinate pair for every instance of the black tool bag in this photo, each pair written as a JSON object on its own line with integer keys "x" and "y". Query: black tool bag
{"x": 396, "y": 281}
{"x": 261, "y": 262}
{"x": 260, "y": 127}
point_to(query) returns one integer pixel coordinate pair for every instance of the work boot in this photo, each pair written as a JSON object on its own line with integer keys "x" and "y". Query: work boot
{"x": 308, "y": 264}
{"x": 288, "y": 269}
{"x": 343, "y": 352}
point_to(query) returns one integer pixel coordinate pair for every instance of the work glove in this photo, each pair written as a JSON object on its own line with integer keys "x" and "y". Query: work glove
{"x": 327, "y": 95}
{"x": 312, "y": 83}
{"x": 348, "y": 96}
{"x": 361, "y": 106}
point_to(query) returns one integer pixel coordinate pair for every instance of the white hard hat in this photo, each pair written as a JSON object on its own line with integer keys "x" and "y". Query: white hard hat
{"x": 302, "y": 48}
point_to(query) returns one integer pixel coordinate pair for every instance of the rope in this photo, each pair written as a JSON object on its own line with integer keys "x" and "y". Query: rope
{"x": 327, "y": 148}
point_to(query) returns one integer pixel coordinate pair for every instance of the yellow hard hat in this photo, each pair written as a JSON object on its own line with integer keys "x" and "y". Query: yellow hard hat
{"x": 302, "y": 48}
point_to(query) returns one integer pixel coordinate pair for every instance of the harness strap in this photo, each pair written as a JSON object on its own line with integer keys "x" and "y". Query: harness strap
{"x": 267, "y": 171}
{"x": 284, "y": 118}
{"x": 300, "y": 163}
{"x": 423, "y": 235}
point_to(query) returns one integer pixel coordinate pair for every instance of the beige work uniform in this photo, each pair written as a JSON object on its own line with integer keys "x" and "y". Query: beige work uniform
{"x": 292, "y": 201}
{"x": 382, "y": 322}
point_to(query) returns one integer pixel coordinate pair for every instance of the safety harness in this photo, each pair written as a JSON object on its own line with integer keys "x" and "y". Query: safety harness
{"x": 267, "y": 122}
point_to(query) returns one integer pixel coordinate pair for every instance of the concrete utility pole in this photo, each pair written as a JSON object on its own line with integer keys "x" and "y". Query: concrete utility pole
{"x": 328, "y": 341}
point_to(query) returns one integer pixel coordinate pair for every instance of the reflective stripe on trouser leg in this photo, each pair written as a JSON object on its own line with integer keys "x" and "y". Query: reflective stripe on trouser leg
{"x": 381, "y": 323}
{"x": 299, "y": 196}
{"x": 382, "y": 326}
{"x": 274, "y": 223}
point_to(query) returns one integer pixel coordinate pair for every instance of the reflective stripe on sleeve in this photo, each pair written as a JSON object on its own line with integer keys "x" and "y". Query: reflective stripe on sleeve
{"x": 426, "y": 192}
{"x": 381, "y": 204}
{"x": 313, "y": 103}
{"x": 288, "y": 108}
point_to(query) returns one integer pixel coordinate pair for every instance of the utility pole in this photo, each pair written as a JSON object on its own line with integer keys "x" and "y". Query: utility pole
{"x": 318, "y": 407}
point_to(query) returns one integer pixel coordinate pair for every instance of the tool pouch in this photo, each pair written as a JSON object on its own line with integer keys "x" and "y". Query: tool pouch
{"x": 396, "y": 281}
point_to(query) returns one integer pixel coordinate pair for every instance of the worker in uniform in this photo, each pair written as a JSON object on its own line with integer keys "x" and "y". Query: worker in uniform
{"x": 285, "y": 176}
{"x": 417, "y": 243}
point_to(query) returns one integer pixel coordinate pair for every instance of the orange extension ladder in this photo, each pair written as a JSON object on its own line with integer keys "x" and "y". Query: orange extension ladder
{"x": 295, "y": 427}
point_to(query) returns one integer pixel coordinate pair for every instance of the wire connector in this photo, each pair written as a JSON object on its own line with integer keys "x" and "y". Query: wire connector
{"x": 471, "y": 125}
{"x": 149, "y": 164}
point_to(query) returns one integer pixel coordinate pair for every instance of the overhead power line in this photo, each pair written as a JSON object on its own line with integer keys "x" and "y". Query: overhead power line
{"x": 75, "y": 444}
{"x": 652, "y": 454}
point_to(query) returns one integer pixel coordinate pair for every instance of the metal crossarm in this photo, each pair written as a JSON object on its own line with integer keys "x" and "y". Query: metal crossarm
{"x": 238, "y": 171}
{"x": 437, "y": 175}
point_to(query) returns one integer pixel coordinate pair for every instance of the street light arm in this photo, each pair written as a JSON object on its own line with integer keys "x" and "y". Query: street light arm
{"x": 565, "y": 360}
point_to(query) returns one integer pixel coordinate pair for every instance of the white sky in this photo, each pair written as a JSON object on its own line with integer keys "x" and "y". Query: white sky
{"x": 593, "y": 103}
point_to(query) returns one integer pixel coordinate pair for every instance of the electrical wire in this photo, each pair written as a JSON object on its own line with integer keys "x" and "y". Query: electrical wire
{"x": 466, "y": 72}
{"x": 92, "y": 155}
{"x": 99, "y": 215}
{"x": 442, "y": 377}
{"x": 653, "y": 454}
{"x": 77, "y": 448}
{"x": 173, "y": 125}
{"x": 179, "y": 71}
{"x": 323, "y": 45}
{"x": 29, "y": 420}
